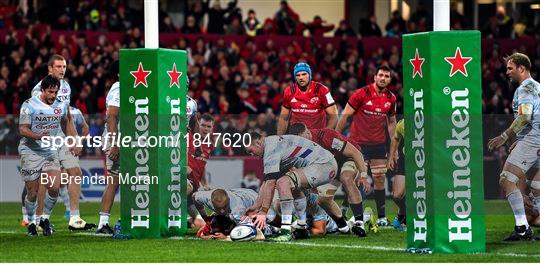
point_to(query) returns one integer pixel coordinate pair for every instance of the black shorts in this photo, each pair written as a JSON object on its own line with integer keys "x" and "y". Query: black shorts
{"x": 374, "y": 151}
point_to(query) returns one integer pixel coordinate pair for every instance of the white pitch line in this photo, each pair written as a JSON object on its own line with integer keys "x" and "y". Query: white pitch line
{"x": 381, "y": 248}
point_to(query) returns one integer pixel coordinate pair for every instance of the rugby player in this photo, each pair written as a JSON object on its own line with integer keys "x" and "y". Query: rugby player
{"x": 42, "y": 115}
{"x": 396, "y": 163}
{"x": 526, "y": 153}
{"x": 373, "y": 109}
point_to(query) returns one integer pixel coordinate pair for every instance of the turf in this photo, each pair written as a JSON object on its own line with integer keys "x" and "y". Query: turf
{"x": 386, "y": 246}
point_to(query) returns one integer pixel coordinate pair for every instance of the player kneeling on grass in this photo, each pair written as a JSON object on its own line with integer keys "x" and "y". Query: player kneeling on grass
{"x": 291, "y": 163}
{"x": 231, "y": 204}
{"x": 42, "y": 116}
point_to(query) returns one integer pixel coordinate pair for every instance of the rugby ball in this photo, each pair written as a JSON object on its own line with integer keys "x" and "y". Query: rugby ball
{"x": 243, "y": 233}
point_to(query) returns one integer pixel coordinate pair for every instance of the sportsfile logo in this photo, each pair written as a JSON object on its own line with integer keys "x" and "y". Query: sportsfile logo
{"x": 460, "y": 223}
{"x": 140, "y": 216}
{"x": 175, "y": 210}
{"x": 420, "y": 227}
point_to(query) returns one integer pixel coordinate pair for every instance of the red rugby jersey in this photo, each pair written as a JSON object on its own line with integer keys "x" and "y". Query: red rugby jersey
{"x": 308, "y": 107}
{"x": 370, "y": 119}
{"x": 330, "y": 140}
{"x": 197, "y": 158}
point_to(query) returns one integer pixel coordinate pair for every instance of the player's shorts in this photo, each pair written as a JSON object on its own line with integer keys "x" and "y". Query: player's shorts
{"x": 318, "y": 174}
{"x": 113, "y": 167}
{"x": 32, "y": 165}
{"x": 67, "y": 159}
{"x": 524, "y": 156}
{"x": 374, "y": 151}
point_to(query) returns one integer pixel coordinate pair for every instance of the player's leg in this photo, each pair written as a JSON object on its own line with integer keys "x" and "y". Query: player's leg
{"x": 378, "y": 170}
{"x": 285, "y": 185}
{"x": 300, "y": 206}
{"x": 535, "y": 191}
{"x": 64, "y": 195}
{"x": 107, "y": 200}
{"x": 40, "y": 200}
{"x": 52, "y": 171}
{"x": 31, "y": 167}
{"x": 398, "y": 195}
{"x": 24, "y": 221}
{"x": 74, "y": 191}
{"x": 347, "y": 176}
{"x": 514, "y": 171}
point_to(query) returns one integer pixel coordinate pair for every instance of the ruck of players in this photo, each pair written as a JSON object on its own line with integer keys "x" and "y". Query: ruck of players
{"x": 318, "y": 166}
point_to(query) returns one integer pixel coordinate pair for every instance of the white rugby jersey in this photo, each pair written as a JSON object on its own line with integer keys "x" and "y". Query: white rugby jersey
{"x": 281, "y": 153}
{"x": 528, "y": 92}
{"x": 240, "y": 199}
{"x": 42, "y": 118}
{"x": 112, "y": 99}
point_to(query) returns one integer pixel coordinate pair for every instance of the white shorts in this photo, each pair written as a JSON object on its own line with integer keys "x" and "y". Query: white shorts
{"x": 524, "y": 156}
{"x": 318, "y": 174}
{"x": 113, "y": 167}
{"x": 67, "y": 159}
{"x": 32, "y": 165}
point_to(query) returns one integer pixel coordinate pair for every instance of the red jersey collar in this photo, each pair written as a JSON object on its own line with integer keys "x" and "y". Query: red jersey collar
{"x": 372, "y": 89}
{"x": 311, "y": 85}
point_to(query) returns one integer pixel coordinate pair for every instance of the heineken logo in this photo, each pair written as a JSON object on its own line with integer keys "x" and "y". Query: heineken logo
{"x": 140, "y": 215}
{"x": 140, "y": 76}
{"x": 459, "y": 63}
{"x": 417, "y": 64}
{"x": 175, "y": 210}
{"x": 420, "y": 226}
{"x": 174, "y": 76}
{"x": 460, "y": 223}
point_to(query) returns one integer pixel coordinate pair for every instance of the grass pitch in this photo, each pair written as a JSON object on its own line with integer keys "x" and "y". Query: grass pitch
{"x": 386, "y": 246}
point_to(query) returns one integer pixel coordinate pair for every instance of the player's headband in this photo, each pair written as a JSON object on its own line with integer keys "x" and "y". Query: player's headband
{"x": 302, "y": 66}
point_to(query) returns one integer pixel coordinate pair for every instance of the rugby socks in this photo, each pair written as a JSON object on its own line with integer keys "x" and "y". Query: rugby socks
{"x": 287, "y": 207}
{"x": 30, "y": 210}
{"x": 300, "y": 207}
{"x": 103, "y": 219}
{"x": 48, "y": 205}
{"x": 380, "y": 196}
{"x": 358, "y": 211}
{"x": 24, "y": 214}
{"x": 345, "y": 205}
{"x": 74, "y": 213}
{"x": 516, "y": 203}
{"x": 402, "y": 208}
{"x": 64, "y": 195}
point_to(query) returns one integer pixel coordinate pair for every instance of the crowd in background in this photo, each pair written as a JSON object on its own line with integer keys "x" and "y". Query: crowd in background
{"x": 240, "y": 83}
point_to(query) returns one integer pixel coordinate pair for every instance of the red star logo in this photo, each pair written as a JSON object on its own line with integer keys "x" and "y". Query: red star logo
{"x": 458, "y": 63}
{"x": 174, "y": 75}
{"x": 417, "y": 65}
{"x": 140, "y": 76}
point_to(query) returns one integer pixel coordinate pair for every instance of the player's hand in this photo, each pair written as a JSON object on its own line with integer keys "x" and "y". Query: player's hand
{"x": 364, "y": 183}
{"x": 40, "y": 136}
{"x": 219, "y": 236}
{"x": 260, "y": 220}
{"x": 206, "y": 187}
{"x": 250, "y": 213}
{"x": 391, "y": 162}
{"x": 113, "y": 154}
{"x": 495, "y": 143}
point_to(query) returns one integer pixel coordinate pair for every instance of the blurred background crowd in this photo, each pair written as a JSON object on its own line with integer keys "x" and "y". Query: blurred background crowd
{"x": 238, "y": 64}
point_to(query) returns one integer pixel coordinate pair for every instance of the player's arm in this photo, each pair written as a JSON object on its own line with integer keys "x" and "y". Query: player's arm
{"x": 112, "y": 127}
{"x": 331, "y": 112}
{"x": 342, "y": 122}
{"x": 199, "y": 204}
{"x": 283, "y": 120}
{"x": 391, "y": 119}
{"x": 85, "y": 128}
{"x": 26, "y": 131}
{"x": 393, "y": 156}
{"x": 351, "y": 151}
{"x": 267, "y": 193}
{"x": 523, "y": 119}
{"x": 204, "y": 181}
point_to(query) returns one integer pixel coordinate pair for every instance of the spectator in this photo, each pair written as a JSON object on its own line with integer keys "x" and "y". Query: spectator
{"x": 191, "y": 27}
{"x": 235, "y": 27}
{"x": 318, "y": 27}
{"x": 396, "y": 26}
{"x": 344, "y": 29}
{"x": 168, "y": 26}
{"x": 252, "y": 24}
{"x": 286, "y": 20}
{"x": 216, "y": 17}
{"x": 369, "y": 27}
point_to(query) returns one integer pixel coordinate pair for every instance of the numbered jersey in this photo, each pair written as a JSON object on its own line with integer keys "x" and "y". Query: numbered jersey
{"x": 281, "y": 153}
{"x": 42, "y": 118}
{"x": 529, "y": 93}
{"x": 239, "y": 200}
